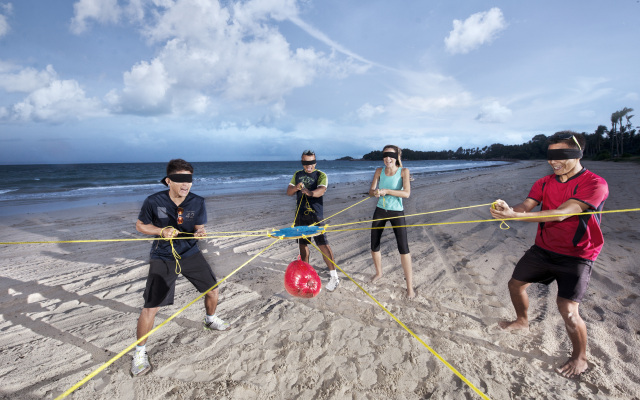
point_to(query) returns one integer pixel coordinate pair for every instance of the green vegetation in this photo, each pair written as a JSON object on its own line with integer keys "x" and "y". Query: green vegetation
{"x": 620, "y": 142}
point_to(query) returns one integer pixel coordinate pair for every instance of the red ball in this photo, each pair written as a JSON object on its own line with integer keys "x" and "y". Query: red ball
{"x": 301, "y": 280}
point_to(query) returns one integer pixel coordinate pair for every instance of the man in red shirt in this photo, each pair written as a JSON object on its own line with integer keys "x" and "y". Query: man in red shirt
{"x": 567, "y": 242}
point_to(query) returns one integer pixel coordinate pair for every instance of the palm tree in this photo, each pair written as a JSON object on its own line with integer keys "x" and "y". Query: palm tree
{"x": 623, "y": 113}
{"x": 612, "y": 133}
{"x": 599, "y": 134}
{"x": 628, "y": 125}
{"x": 616, "y": 120}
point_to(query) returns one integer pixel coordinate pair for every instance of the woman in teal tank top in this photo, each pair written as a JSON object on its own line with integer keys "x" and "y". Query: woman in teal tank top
{"x": 390, "y": 185}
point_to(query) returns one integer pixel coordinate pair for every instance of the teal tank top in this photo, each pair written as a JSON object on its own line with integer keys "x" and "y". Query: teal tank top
{"x": 388, "y": 202}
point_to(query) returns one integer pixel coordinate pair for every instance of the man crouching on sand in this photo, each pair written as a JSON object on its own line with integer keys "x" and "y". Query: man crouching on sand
{"x": 566, "y": 245}
{"x": 168, "y": 214}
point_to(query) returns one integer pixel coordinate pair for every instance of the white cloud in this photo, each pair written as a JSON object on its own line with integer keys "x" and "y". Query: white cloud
{"x": 5, "y": 9}
{"x": 478, "y": 29}
{"x": 103, "y": 11}
{"x": 493, "y": 112}
{"x": 14, "y": 79}
{"x": 233, "y": 52}
{"x": 433, "y": 104}
{"x": 237, "y": 55}
{"x": 145, "y": 91}
{"x": 430, "y": 93}
{"x": 135, "y": 9}
{"x": 321, "y": 36}
{"x": 193, "y": 20}
{"x": 59, "y": 101}
{"x": 252, "y": 11}
{"x": 48, "y": 98}
{"x": 192, "y": 103}
{"x": 367, "y": 111}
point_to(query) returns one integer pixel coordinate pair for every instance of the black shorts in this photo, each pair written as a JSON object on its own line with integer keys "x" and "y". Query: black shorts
{"x": 538, "y": 265}
{"x": 310, "y": 220}
{"x": 398, "y": 229}
{"x": 161, "y": 282}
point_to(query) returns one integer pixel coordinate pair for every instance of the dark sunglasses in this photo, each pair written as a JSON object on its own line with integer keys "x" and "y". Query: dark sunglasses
{"x": 566, "y": 136}
{"x": 180, "y": 219}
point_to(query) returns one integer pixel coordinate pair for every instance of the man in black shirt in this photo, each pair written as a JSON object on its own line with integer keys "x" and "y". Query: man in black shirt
{"x": 169, "y": 214}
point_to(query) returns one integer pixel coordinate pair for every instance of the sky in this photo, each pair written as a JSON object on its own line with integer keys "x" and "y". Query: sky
{"x": 260, "y": 80}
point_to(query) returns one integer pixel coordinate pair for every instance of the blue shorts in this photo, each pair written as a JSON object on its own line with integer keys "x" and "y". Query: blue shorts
{"x": 538, "y": 265}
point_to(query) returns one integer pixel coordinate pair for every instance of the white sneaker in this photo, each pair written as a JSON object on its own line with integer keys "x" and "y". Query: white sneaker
{"x": 140, "y": 364}
{"x": 217, "y": 324}
{"x": 333, "y": 283}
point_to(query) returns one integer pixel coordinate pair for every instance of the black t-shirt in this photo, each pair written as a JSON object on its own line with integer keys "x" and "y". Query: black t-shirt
{"x": 159, "y": 210}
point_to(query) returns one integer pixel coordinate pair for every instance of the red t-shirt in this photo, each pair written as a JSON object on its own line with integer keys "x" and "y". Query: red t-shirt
{"x": 579, "y": 235}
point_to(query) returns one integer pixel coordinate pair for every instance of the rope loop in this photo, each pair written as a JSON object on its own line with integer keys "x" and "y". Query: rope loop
{"x": 174, "y": 252}
{"x": 503, "y": 225}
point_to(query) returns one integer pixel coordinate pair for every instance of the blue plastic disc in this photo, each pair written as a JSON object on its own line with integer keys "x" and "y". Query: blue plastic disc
{"x": 297, "y": 232}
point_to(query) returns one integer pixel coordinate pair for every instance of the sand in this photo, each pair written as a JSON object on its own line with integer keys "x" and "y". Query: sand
{"x": 68, "y": 308}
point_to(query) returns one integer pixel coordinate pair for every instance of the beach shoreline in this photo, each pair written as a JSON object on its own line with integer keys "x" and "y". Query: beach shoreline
{"x": 45, "y": 204}
{"x": 70, "y": 307}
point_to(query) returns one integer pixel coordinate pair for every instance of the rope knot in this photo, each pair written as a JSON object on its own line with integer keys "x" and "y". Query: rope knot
{"x": 174, "y": 252}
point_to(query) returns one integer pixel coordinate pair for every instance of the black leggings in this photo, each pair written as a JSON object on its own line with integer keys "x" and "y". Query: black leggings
{"x": 400, "y": 232}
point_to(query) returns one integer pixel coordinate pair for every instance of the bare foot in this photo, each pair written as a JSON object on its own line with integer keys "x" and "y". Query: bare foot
{"x": 514, "y": 325}
{"x": 573, "y": 368}
{"x": 375, "y": 278}
{"x": 410, "y": 294}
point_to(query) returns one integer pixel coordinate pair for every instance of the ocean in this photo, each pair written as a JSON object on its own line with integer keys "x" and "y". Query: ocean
{"x": 43, "y": 188}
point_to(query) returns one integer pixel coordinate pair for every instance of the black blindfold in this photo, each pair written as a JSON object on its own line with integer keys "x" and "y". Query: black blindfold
{"x": 390, "y": 154}
{"x": 310, "y": 162}
{"x": 180, "y": 178}
{"x": 564, "y": 154}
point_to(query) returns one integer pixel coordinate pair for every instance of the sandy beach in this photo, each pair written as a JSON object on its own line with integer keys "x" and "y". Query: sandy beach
{"x": 68, "y": 308}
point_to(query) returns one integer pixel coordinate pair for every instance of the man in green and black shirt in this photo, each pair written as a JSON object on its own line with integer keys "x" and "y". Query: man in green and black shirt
{"x": 309, "y": 185}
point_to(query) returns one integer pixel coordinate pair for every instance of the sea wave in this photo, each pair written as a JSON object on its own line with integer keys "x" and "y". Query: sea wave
{"x": 108, "y": 183}
{"x": 117, "y": 187}
{"x": 230, "y": 179}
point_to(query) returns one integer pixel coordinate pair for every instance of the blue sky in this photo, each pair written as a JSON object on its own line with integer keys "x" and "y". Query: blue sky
{"x": 206, "y": 80}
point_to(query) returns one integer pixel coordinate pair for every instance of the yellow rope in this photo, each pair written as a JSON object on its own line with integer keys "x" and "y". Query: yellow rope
{"x": 491, "y": 220}
{"x": 412, "y": 215}
{"x": 126, "y": 240}
{"x": 266, "y": 232}
{"x": 503, "y": 225}
{"x": 254, "y": 231}
{"x": 297, "y": 209}
{"x": 455, "y": 371}
{"x": 130, "y": 347}
{"x": 353, "y": 205}
{"x": 175, "y": 254}
{"x": 119, "y": 355}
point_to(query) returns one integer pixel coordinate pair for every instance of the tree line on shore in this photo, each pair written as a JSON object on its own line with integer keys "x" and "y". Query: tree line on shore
{"x": 621, "y": 141}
